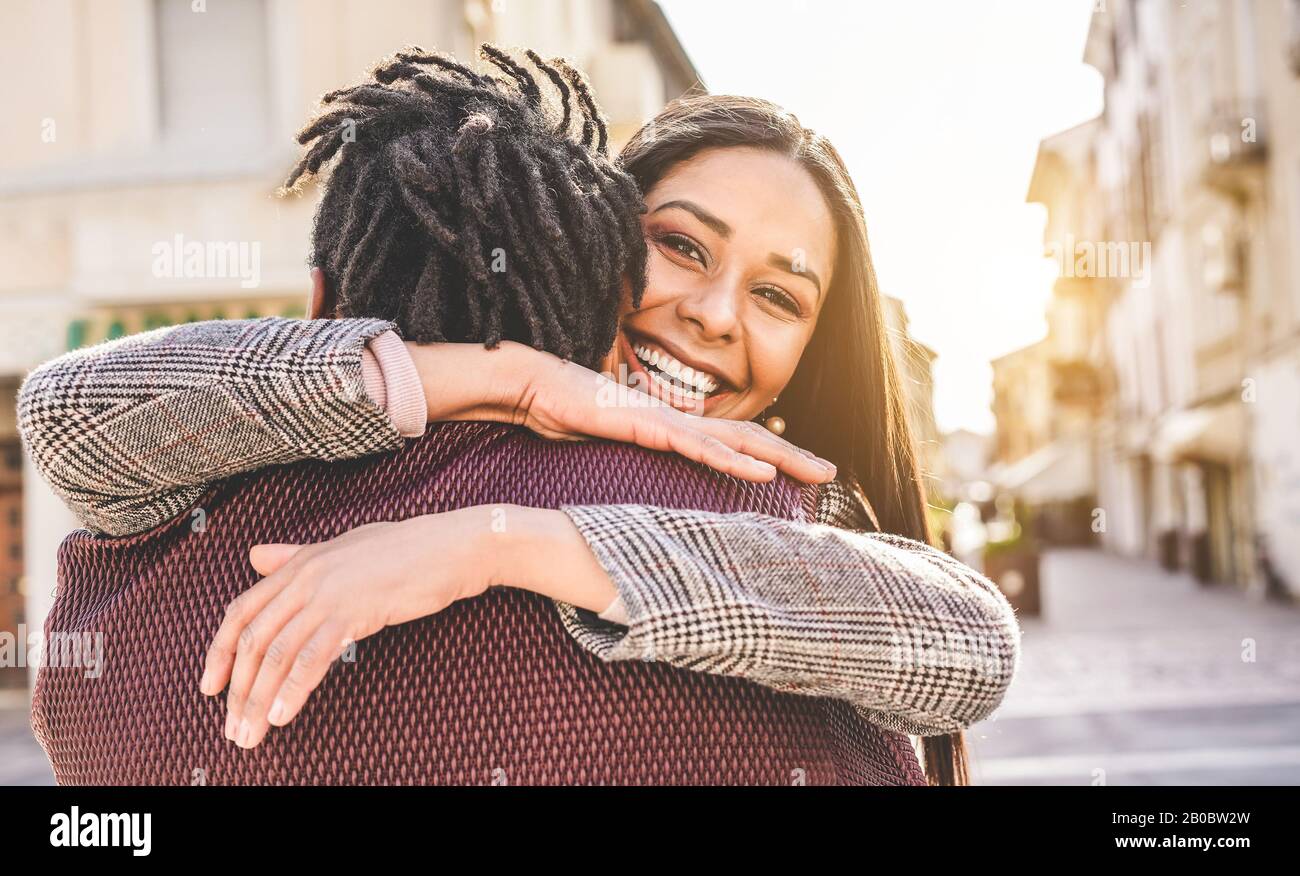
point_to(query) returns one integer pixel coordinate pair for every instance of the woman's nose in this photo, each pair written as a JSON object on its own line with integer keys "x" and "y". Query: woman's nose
{"x": 714, "y": 309}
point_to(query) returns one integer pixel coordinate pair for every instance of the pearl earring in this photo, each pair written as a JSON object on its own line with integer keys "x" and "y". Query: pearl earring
{"x": 775, "y": 425}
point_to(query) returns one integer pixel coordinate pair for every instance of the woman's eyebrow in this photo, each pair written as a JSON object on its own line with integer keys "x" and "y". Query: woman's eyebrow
{"x": 722, "y": 229}
{"x": 780, "y": 261}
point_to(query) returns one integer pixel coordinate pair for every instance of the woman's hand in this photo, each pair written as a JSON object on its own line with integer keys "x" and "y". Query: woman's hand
{"x": 280, "y": 636}
{"x": 565, "y": 401}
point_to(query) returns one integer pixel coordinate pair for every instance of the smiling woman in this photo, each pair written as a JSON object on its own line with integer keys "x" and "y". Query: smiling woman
{"x": 739, "y": 195}
{"x": 734, "y": 284}
{"x": 761, "y": 275}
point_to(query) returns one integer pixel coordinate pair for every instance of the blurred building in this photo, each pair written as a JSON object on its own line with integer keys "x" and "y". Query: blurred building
{"x": 1022, "y": 403}
{"x": 1175, "y": 326}
{"x": 966, "y": 458}
{"x": 916, "y": 373}
{"x": 140, "y": 130}
{"x": 1041, "y": 450}
{"x": 1046, "y": 395}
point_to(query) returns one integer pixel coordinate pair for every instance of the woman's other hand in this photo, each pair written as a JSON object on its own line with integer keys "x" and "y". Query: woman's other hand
{"x": 564, "y": 401}
{"x": 280, "y": 636}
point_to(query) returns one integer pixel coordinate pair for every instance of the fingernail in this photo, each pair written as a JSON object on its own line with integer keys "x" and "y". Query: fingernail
{"x": 277, "y": 712}
{"x": 230, "y": 727}
{"x": 245, "y": 734}
{"x": 205, "y": 682}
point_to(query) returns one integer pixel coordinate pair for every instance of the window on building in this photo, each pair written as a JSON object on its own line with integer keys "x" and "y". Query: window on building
{"x": 1135, "y": 200}
{"x": 1116, "y": 51}
{"x": 1293, "y": 34}
{"x": 1154, "y": 183}
{"x": 212, "y": 73}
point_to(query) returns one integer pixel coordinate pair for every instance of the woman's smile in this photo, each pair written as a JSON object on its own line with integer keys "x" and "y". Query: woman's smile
{"x": 663, "y": 371}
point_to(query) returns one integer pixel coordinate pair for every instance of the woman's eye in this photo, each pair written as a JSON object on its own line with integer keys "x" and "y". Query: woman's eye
{"x": 779, "y": 298}
{"x": 682, "y": 246}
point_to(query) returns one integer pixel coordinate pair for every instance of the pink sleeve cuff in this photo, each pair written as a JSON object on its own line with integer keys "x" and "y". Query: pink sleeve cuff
{"x": 393, "y": 384}
{"x": 615, "y": 612}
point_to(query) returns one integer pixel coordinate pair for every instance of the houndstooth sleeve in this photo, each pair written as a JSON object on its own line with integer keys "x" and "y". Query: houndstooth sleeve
{"x": 916, "y": 641}
{"x": 130, "y": 432}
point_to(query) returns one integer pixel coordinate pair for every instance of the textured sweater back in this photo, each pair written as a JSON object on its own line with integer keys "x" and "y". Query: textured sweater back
{"x": 491, "y": 690}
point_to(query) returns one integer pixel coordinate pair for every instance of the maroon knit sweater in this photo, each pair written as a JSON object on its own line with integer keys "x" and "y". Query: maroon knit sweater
{"x": 491, "y": 690}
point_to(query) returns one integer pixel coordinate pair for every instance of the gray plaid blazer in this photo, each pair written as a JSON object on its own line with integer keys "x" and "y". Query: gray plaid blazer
{"x": 131, "y": 432}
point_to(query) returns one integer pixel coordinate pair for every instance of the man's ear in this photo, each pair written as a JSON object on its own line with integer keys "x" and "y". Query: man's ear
{"x": 322, "y": 304}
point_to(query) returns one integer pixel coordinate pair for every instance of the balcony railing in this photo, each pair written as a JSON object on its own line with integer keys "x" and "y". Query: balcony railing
{"x": 1077, "y": 383}
{"x": 1235, "y": 145}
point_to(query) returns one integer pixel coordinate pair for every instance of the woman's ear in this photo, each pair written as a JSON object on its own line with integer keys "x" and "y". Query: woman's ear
{"x": 321, "y": 304}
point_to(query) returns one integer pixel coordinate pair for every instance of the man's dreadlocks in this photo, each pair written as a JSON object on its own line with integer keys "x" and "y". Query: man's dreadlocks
{"x": 461, "y": 208}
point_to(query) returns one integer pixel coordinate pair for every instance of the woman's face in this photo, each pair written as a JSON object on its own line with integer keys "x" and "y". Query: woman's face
{"x": 741, "y": 248}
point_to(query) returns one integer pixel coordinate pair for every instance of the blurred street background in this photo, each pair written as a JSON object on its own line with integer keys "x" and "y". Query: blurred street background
{"x": 1085, "y": 215}
{"x": 1136, "y": 676}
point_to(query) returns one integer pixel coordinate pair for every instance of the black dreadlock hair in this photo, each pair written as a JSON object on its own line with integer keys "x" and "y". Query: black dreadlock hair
{"x": 461, "y": 209}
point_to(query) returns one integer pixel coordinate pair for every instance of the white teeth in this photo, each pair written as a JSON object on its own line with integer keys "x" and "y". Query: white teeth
{"x": 677, "y": 390}
{"x": 699, "y": 380}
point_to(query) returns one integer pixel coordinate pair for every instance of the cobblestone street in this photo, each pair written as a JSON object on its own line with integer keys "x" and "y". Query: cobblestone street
{"x": 1136, "y": 676}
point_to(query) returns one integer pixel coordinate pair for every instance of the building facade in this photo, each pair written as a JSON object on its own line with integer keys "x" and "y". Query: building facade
{"x": 140, "y": 129}
{"x": 915, "y": 363}
{"x": 1177, "y": 217}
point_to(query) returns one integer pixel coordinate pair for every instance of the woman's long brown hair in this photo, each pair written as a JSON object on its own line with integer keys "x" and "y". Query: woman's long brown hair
{"x": 845, "y": 402}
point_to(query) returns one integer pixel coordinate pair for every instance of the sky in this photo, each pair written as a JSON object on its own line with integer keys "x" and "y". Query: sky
{"x": 938, "y": 107}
